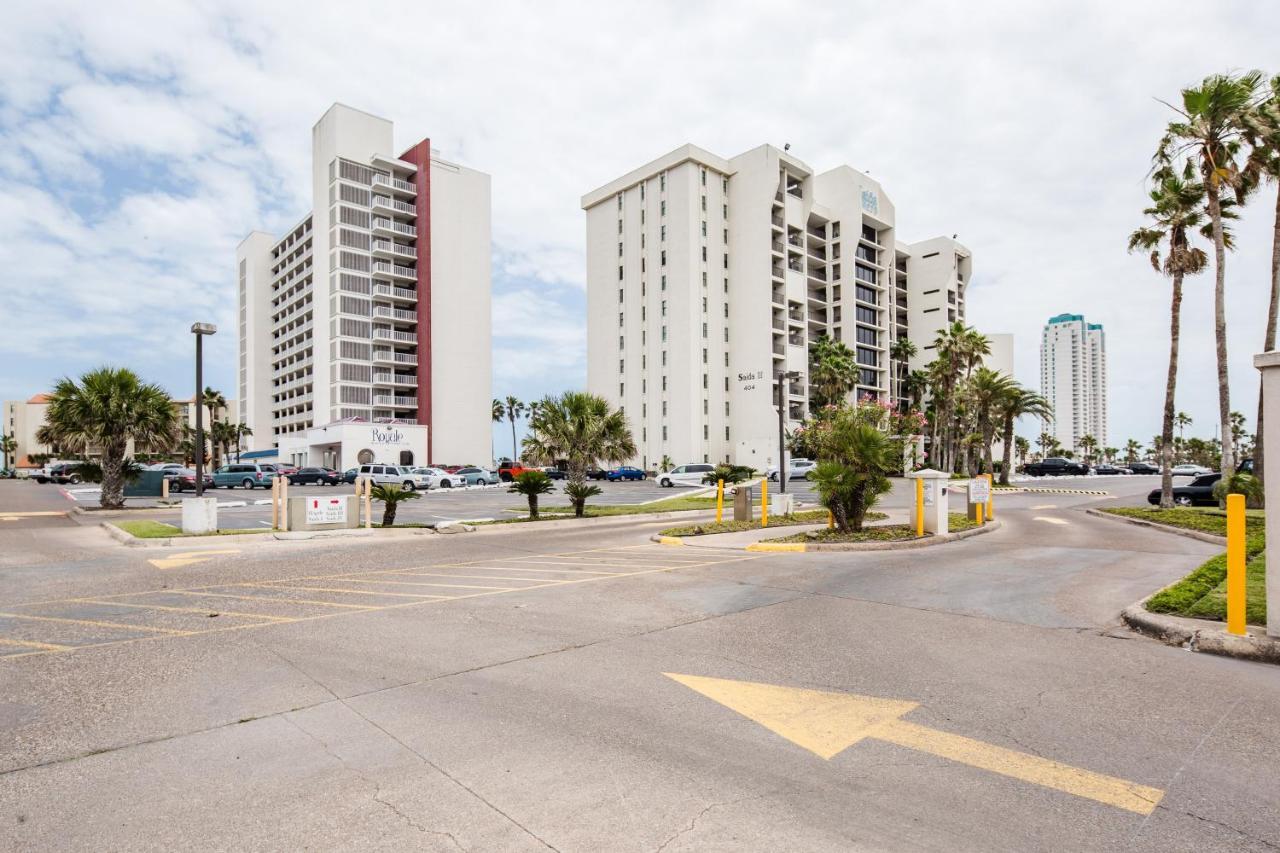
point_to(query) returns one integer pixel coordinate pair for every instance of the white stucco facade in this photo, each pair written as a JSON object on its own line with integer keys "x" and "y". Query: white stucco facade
{"x": 345, "y": 445}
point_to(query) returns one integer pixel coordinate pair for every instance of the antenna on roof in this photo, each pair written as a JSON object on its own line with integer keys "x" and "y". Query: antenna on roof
{"x": 786, "y": 147}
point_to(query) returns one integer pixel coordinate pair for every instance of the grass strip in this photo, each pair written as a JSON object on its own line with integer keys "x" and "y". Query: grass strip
{"x": 881, "y": 533}
{"x": 812, "y": 516}
{"x": 144, "y": 529}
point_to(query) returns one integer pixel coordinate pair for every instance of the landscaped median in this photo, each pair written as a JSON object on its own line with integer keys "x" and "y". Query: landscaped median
{"x": 875, "y": 537}
{"x": 1192, "y": 612}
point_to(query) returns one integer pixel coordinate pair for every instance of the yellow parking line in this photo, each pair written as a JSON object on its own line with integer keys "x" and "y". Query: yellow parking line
{"x": 331, "y": 589}
{"x": 473, "y": 577}
{"x": 203, "y": 611}
{"x": 554, "y": 571}
{"x": 46, "y": 513}
{"x": 31, "y": 644}
{"x": 259, "y": 598}
{"x": 414, "y": 583}
{"x": 100, "y": 624}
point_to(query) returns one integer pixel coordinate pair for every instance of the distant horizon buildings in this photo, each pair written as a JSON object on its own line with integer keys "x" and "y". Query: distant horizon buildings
{"x": 1073, "y": 378}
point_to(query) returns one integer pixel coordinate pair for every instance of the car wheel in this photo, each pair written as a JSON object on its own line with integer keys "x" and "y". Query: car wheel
{"x": 176, "y": 487}
{"x": 446, "y": 484}
{"x": 1182, "y": 500}
{"x": 665, "y": 483}
{"x": 408, "y": 485}
{"x": 247, "y": 483}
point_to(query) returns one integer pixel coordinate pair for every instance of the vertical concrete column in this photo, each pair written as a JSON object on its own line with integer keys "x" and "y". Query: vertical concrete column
{"x": 1269, "y": 364}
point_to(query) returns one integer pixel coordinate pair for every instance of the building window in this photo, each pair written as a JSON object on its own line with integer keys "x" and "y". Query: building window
{"x": 662, "y": 208}
{"x": 664, "y": 433}
{"x": 664, "y": 257}
{"x": 726, "y": 411}
{"x": 619, "y": 201}
{"x": 620, "y": 323}
{"x": 619, "y": 250}
{"x": 706, "y": 407}
{"x": 662, "y": 233}
{"x": 664, "y": 408}
{"x": 622, "y": 368}
{"x": 726, "y": 359}
{"x": 664, "y": 282}
{"x": 621, "y": 299}
{"x": 726, "y": 433}
{"x": 621, "y": 389}
{"x": 704, "y": 330}
{"x": 704, "y": 305}
{"x": 664, "y": 386}
{"x": 619, "y": 272}
{"x": 704, "y": 381}
{"x": 664, "y": 358}
{"x": 726, "y": 260}
{"x": 724, "y": 184}
{"x": 619, "y": 226}
{"x": 704, "y": 253}
{"x": 664, "y": 308}
{"x": 704, "y": 202}
{"x": 706, "y": 432}
{"x": 704, "y": 228}
{"x": 664, "y": 333}
{"x": 704, "y": 177}
{"x": 662, "y": 181}
{"x": 704, "y": 355}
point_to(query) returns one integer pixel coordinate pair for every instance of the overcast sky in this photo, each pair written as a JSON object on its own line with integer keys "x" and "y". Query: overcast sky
{"x": 139, "y": 142}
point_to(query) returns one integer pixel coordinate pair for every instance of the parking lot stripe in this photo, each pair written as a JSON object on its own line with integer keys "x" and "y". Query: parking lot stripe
{"x": 415, "y": 583}
{"x": 197, "y": 592}
{"x": 31, "y": 644}
{"x": 100, "y": 624}
{"x": 473, "y": 577}
{"x": 523, "y": 569}
{"x": 201, "y": 610}
{"x": 330, "y": 589}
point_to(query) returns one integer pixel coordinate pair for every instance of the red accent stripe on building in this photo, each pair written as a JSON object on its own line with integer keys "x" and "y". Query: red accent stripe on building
{"x": 420, "y": 156}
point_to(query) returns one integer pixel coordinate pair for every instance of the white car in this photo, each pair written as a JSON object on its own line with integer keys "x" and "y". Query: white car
{"x": 393, "y": 475}
{"x": 1188, "y": 470}
{"x": 797, "y": 469}
{"x": 438, "y": 478}
{"x": 685, "y": 475}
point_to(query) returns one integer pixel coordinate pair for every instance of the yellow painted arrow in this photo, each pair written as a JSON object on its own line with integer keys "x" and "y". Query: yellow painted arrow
{"x": 176, "y": 561}
{"x": 826, "y": 724}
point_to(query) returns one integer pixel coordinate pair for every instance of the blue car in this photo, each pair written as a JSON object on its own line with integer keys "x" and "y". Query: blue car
{"x": 625, "y": 473}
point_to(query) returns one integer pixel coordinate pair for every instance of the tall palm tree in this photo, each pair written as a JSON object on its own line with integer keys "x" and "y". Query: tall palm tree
{"x": 833, "y": 371}
{"x": 1210, "y": 128}
{"x": 987, "y": 392}
{"x": 1023, "y": 447}
{"x": 512, "y": 410}
{"x": 105, "y": 410}
{"x": 8, "y": 446}
{"x": 1019, "y": 402}
{"x": 902, "y": 351}
{"x": 243, "y": 431}
{"x": 1262, "y": 129}
{"x": 1132, "y": 449}
{"x": 215, "y": 403}
{"x": 584, "y": 431}
{"x": 1176, "y": 213}
{"x": 1088, "y": 444}
{"x": 914, "y": 386}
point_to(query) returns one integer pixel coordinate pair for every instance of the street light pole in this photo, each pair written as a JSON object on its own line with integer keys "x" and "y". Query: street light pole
{"x": 783, "y": 473}
{"x": 200, "y": 330}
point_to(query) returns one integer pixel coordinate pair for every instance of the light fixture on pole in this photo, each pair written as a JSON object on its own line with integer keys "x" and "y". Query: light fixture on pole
{"x": 200, "y": 330}
{"x": 783, "y": 473}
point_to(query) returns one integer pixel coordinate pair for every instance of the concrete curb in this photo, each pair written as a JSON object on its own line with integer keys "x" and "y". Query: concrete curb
{"x": 131, "y": 541}
{"x": 811, "y": 547}
{"x": 1199, "y": 635}
{"x": 1167, "y": 528}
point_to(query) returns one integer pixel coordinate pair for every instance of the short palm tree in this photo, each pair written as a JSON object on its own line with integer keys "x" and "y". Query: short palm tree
{"x": 852, "y": 472}
{"x": 531, "y": 484}
{"x": 104, "y": 411}
{"x": 1209, "y": 129}
{"x": 581, "y": 429}
{"x": 8, "y": 446}
{"x": 391, "y": 495}
{"x": 1018, "y": 402}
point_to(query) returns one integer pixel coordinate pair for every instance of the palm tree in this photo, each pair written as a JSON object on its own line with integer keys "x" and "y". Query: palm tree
{"x": 1237, "y": 432}
{"x": 1023, "y": 447}
{"x": 512, "y": 409}
{"x": 833, "y": 371}
{"x": 584, "y": 431}
{"x": 902, "y": 351}
{"x": 8, "y": 446}
{"x": 215, "y": 403}
{"x": 1175, "y": 213}
{"x": 1088, "y": 444}
{"x": 1262, "y": 129}
{"x": 243, "y": 431}
{"x": 988, "y": 390}
{"x": 531, "y": 484}
{"x": 107, "y": 409}
{"x": 1019, "y": 402}
{"x": 1046, "y": 441}
{"x": 1132, "y": 449}
{"x": 914, "y": 386}
{"x": 391, "y": 495}
{"x": 854, "y": 460}
{"x": 1210, "y": 128}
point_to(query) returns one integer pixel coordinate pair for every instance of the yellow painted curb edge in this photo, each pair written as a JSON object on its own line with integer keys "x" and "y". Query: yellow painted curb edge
{"x": 776, "y": 546}
{"x": 670, "y": 540}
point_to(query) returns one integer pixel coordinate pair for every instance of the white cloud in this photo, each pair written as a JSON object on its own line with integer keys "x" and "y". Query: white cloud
{"x": 142, "y": 140}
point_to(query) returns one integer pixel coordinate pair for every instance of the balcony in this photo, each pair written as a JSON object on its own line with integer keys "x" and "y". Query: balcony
{"x": 385, "y": 249}
{"x": 818, "y": 274}
{"x": 396, "y": 314}
{"x": 777, "y": 220}
{"x": 382, "y": 225}
{"x": 779, "y": 296}
{"x": 386, "y": 269}
{"x": 392, "y": 335}
{"x": 382, "y": 377}
{"x": 392, "y": 292}
{"x": 777, "y": 246}
{"x": 395, "y": 184}
{"x": 388, "y": 203}
{"x": 395, "y": 402}
{"x": 386, "y": 356}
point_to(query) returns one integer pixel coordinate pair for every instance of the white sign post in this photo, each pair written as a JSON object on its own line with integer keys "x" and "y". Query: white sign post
{"x": 326, "y": 510}
{"x": 979, "y": 490}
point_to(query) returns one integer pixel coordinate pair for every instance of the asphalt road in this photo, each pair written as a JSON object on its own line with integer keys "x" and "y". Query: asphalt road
{"x": 522, "y": 689}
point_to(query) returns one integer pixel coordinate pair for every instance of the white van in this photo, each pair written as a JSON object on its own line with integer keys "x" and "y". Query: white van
{"x": 393, "y": 475}
{"x": 685, "y": 475}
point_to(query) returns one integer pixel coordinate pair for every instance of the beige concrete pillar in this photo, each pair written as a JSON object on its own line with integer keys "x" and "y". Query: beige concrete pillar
{"x": 1269, "y": 364}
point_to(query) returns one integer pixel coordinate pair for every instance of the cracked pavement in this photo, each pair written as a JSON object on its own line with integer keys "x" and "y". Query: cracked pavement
{"x": 539, "y": 719}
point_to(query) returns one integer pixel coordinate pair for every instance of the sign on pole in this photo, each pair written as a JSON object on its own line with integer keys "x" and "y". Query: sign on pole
{"x": 979, "y": 490}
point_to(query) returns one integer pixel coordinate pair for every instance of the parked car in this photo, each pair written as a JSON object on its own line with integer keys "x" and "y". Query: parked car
{"x": 394, "y": 475}
{"x": 1142, "y": 468}
{"x": 349, "y": 475}
{"x": 597, "y": 474}
{"x": 1108, "y": 468}
{"x": 245, "y": 475}
{"x": 685, "y": 475}
{"x": 1246, "y": 465}
{"x": 624, "y": 472}
{"x": 508, "y": 471}
{"x": 555, "y": 473}
{"x": 797, "y": 469}
{"x": 319, "y": 476}
{"x": 61, "y": 472}
{"x": 477, "y": 476}
{"x": 284, "y": 470}
{"x": 1055, "y": 466}
{"x": 182, "y": 479}
{"x": 438, "y": 478}
{"x": 1199, "y": 492}
{"x": 1187, "y": 469}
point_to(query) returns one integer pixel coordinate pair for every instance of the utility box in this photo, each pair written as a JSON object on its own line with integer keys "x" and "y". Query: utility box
{"x": 742, "y": 503}
{"x": 200, "y": 515}
{"x": 781, "y": 503}
{"x": 935, "y": 500}
{"x": 324, "y": 513}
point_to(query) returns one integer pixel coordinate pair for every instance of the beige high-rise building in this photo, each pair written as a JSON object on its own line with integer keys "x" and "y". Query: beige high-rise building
{"x": 1073, "y": 378}
{"x": 708, "y": 277}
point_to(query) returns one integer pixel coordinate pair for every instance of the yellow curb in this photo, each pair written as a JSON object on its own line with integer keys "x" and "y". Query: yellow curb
{"x": 776, "y": 546}
{"x": 670, "y": 540}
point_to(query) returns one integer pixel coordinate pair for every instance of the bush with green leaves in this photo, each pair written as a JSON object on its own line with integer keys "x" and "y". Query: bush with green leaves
{"x": 1240, "y": 483}
{"x": 730, "y": 474}
{"x": 582, "y": 430}
{"x": 854, "y": 461}
{"x": 391, "y": 495}
{"x": 578, "y": 494}
{"x": 531, "y": 484}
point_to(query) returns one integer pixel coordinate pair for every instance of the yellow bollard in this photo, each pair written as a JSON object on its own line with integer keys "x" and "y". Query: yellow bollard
{"x": 981, "y": 515}
{"x": 991, "y": 498}
{"x": 919, "y": 507}
{"x": 764, "y": 501}
{"x": 719, "y": 501}
{"x": 1236, "y": 565}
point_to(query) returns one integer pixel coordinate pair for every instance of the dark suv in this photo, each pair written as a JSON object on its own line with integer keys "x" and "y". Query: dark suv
{"x": 319, "y": 476}
{"x": 1142, "y": 468}
{"x": 1055, "y": 465}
